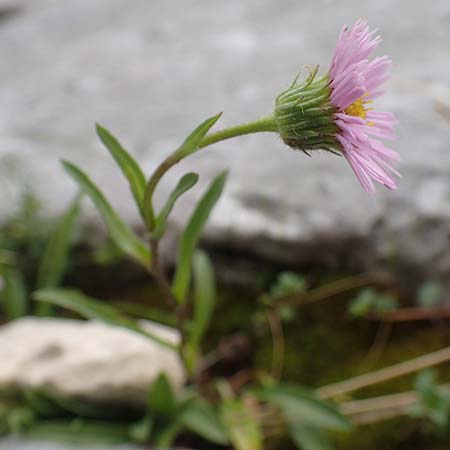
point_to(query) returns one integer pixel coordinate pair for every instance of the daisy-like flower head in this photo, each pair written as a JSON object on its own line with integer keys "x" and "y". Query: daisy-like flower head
{"x": 335, "y": 112}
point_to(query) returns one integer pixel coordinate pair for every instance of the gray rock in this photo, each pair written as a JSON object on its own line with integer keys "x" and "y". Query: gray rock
{"x": 86, "y": 360}
{"x": 20, "y": 444}
{"x": 151, "y": 71}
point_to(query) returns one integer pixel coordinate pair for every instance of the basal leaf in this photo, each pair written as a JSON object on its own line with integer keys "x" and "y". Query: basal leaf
{"x": 13, "y": 296}
{"x": 54, "y": 260}
{"x": 92, "y": 309}
{"x": 243, "y": 429}
{"x": 191, "y": 236}
{"x": 123, "y": 237}
{"x": 309, "y": 438}
{"x": 301, "y": 406}
{"x": 202, "y": 419}
{"x": 161, "y": 399}
{"x": 79, "y": 431}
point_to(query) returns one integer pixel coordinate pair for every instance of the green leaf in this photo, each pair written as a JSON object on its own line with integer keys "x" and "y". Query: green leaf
{"x": 92, "y": 309}
{"x": 79, "y": 431}
{"x": 309, "y": 438}
{"x": 192, "y": 142}
{"x": 40, "y": 403}
{"x": 141, "y": 431}
{"x": 161, "y": 400}
{"x": 301, "y": 406}
{"x": 363, "y": 303}
{"x": 14, "y": 294}
{"x": 124, "y": 238}
{"x": 244, "y": 431}
{"x": 54, "y": 261}
{"x": 431, "y": 294}
{"x": 287, "y": 283}
{"x": 141, "y": 311}
{"x": 202, "y": 419}
{"x": 204, "y": 301}
{"x": 19, "y": 419}
{"x": 165, "y": 435}
{"x": 191, "y": 236}
{"x": 185, "y": 183}
{"x": 130, "y": 168}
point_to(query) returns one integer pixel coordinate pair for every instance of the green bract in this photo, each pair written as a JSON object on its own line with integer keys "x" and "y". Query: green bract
{"x": 304, "y": 115}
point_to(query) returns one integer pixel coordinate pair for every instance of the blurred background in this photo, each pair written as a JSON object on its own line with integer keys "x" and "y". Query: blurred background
{"x": 150, "y": 71}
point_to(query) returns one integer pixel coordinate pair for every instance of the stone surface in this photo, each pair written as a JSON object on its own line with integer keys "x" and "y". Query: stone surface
{"x": 19, "y": 444}
{"x": 151, "y": 71}
{"x": 86, "y": 360}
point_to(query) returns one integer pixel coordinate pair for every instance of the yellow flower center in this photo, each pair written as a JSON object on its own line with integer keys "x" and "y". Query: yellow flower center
{"x": 357, "y": 108}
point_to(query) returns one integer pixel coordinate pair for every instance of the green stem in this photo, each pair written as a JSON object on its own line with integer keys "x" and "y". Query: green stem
{"x": 265, "y": 124}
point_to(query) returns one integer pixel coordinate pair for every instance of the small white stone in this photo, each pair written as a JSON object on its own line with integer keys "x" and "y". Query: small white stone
{"x": 86, "y": 359}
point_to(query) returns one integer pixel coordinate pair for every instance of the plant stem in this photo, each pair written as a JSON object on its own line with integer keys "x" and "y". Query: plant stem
{"x": 159, "y": 275}
{"x": 265, "y": 124}
{"x": 395, "y": 371}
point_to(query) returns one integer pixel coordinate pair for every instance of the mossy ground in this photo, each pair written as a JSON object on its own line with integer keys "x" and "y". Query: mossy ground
{"x": 323, "y": 345}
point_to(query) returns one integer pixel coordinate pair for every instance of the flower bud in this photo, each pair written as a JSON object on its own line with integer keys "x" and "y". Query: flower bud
{"x": 304, "y": 115}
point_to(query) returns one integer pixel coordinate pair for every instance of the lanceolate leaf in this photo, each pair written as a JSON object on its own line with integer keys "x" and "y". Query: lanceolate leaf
{"x": 244, "y": 431}
{"x": 300, "y": 406}
{"x": 191, "y": 236}
{"x": 203, "y": 420}
{"x": 204, "y": 296}
{"x": 80, "y": 431}
{"x": 54, "y": 261}
{"x": 185, "y": 183}
{"x": 14, "y": 293}
{"x": 192, "y": 142}
{"x": 161, "y": 400}
{"x": 309, "y": 438}
{"x": 127, "y": 164}
{"x": 92, "y": 309}
{"x": 124, "y": 238}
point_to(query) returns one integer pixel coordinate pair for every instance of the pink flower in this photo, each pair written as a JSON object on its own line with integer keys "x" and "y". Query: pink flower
{"x": 355, "y": 82}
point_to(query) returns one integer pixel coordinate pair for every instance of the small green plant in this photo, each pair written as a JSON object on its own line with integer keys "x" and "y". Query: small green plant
{"x": 328, "y": 112}
{"x": 434, "y": 403}
{"x": 431, "y": 294}
{"x": 26, "y": 232}
{"x": 236, "y": 416}
{"x": 369, "y": 301}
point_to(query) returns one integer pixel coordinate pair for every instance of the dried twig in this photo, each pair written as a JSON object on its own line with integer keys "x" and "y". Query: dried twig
{"x": 395, "y": 371}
